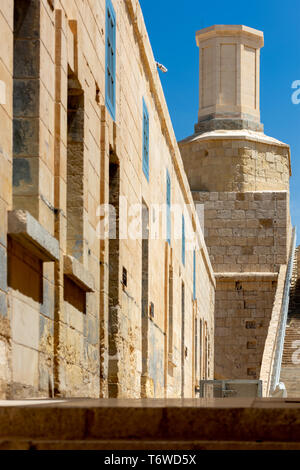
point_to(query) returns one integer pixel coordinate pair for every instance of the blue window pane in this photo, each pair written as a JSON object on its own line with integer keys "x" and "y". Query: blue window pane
{"x": 145, "y": 141}
{"x": 110, "y": 58}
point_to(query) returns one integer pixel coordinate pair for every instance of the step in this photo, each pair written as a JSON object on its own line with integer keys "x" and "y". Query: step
{"x": 151, "y": 424}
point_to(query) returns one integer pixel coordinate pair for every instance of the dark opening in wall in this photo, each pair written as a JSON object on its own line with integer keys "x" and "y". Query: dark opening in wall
{"x": 114, "y": 243}
{"x": 75, "y": 168}
{"x": 115, "y": 279}
{"x": 205, "y": 351}
{"x": 26, "y": 101}
{"x": 24, "y": 271}
{"x": 74, "y": 295}
{"x": 124, "y": 277}
{"x": 146, "y": 310}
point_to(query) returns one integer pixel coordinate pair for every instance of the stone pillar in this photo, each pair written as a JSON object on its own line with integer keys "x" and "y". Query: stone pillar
{"x": 229, "y": 78}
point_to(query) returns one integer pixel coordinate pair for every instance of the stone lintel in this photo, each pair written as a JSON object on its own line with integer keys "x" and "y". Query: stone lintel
{"x": 75, "y": 270}
{"x": 24, "y": 228}
{"x": 248, "y": 276}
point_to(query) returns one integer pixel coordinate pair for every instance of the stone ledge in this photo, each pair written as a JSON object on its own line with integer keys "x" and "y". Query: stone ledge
{"x": 74, "y": 270}
{"x": 24, "y": 228}
{"x": 216, "y": 124}
{"x": 251, "y": 276}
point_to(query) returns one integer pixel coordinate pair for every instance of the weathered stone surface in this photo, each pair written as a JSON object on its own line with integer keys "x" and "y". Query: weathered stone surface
{"x": 229, "y": 58}
{"x": 28, "y": 231}
{"x": 78, "y": 329}
{"x": 241, "y": 176}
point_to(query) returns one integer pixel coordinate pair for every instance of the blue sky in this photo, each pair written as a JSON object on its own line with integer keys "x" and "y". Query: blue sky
{"x": 171, "y": 27}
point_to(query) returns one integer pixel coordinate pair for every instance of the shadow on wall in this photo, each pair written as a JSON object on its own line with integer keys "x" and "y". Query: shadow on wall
{"x": 25, "y": 272}
{"x": 74, "y": 295}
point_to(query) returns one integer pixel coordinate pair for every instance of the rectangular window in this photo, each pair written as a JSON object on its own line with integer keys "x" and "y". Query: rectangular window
{"x": 168, "y": 200}
{"x": 194, "y": 275}
{"x": 110, "y": 59}
{"x": 183, "y": 241}
{"x": 145, "y": 141}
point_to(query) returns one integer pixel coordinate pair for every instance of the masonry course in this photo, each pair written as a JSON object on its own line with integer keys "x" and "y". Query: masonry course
{"x": 69, "y": 326}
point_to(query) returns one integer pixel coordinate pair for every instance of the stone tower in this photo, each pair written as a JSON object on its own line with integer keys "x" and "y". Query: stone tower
{"x": 242, "y": 178}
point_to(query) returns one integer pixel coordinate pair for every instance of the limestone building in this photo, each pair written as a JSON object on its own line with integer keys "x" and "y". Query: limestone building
{"x": 86, "y": 135}
{"x": 242, "y": 177}
{"x": 108, "y": 287}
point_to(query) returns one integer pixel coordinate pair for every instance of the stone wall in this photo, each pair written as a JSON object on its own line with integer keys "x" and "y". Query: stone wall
{"x": 70, "y": 325}
{"x": 236, "y": 161}
{"x": 246, "y": 231}
{"x": 6, "y": 112}
{"x": 248, "y": 239}
{"x": 242, "y": 315}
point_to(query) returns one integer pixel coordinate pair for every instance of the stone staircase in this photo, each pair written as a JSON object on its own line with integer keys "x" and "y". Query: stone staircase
{"x": 290, "y": 368}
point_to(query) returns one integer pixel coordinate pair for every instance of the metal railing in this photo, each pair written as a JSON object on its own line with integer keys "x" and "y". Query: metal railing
{"x": 229, "y": 388}
{"x": 275, "y": 375}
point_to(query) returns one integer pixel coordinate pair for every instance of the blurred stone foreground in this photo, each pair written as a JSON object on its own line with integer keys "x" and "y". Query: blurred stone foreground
{"x": 150, "y": 424}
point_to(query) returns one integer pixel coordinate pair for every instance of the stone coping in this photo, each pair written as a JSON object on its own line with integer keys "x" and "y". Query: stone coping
{"x": 247, "y": 276}
{"x": 23, "y": 227}
{"x": 75, "y": 270}
{"x": 214, "y": 419}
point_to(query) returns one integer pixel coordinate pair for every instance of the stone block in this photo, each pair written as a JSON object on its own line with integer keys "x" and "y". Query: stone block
{"x": 76, "y": 271}
{"x": 29, "y": 233}
{"x": 25, "y": 324}
{"x": 26, "y": 137}
{"x": 3, "y": 304}
{"x": 26, "y": 98}
{"x": 3, "y": 269}
{"x": 24, "y": 365}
